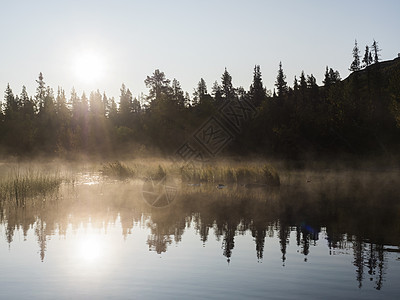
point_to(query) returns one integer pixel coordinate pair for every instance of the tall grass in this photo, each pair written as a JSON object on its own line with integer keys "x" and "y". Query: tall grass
{"x": 196, "y": 173}
{"x": 117, "y": 170}
{"x": 122, "y": 171}
{"x": 265, "y": 174}
{"x": 19, "y": 186}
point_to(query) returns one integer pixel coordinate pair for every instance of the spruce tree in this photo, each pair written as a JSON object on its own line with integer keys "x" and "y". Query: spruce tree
{"x": 106, "y": 104}
{"x": 217, "y": 92}
{"x": 257, "y": 91}
{"x": 355, "y": 65}
{"x": 227, "y": 88}
{"x": 75, "y": 104}
{"x": 177, "y": 94}
{"x": 61, "y": 103}
{"x": 199, "y": 92}
{"x": 370, "y": 57}
{"x": 84, "y": 104}
{"x": 375, "y": 51}
{"x": 113, "y": 112}
{"x": 327, "y": 80}
{"x": 303, "y": 82}
{"x": 125, "y": 105}
{"x": 158, "y": 85}
{"x": 96, "y": 103}
{"x": 296, "y": 86}
{"x": 136, "y": 107}
{"x": 281, "y": 84}
{"x": 11, "y": 106}
{"x": 40, "y": 92}
{"x": 367, "y": 59}
{"x": 27, "y": 103}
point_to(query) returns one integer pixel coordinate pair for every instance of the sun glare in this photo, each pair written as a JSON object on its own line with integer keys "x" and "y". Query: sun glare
{"x": 90, "y": 249}
{"x": 89, "y": 67}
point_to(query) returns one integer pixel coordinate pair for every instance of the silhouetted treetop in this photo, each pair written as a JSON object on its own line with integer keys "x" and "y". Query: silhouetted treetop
{"x": 280, "y": 83}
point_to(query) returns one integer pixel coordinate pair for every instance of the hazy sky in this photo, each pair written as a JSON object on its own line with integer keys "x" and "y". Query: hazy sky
{"x": 124, "y": 41}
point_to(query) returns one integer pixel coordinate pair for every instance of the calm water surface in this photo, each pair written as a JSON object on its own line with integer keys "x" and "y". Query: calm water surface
{"x": 330, "y": 236}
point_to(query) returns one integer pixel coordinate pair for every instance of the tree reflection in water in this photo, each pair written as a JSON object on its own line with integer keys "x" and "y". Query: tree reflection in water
{"x": 353, "y": 214}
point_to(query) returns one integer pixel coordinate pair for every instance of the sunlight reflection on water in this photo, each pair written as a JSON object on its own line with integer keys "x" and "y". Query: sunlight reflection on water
{"x": 89, "y": 178}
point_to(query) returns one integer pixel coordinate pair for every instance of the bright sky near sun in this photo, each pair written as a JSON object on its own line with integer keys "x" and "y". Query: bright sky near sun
{"x": 101, "y": 44}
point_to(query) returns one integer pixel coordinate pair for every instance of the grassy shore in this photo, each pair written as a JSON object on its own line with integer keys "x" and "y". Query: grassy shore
{"x": 18, "y": 186}
{"x": 195, "y": 173}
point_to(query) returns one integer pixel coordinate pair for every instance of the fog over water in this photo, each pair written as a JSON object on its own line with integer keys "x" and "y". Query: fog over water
{"x": 334, "y": 227}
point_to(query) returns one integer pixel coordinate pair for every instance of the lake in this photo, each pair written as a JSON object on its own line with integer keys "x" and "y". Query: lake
{"x": 320, "y": 235}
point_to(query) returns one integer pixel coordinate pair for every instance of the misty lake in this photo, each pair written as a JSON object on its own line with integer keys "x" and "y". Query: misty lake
{"x": 320, "y": 235}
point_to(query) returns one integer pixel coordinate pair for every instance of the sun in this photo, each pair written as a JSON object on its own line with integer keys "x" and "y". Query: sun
{"x": 89, "y": 66}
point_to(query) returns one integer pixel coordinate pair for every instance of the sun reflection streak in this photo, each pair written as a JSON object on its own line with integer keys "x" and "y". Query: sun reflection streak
{"x": 90, "y": 249}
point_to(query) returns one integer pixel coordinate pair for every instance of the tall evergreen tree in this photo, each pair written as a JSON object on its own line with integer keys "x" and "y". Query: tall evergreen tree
{"x": 27, "y": 122}
{"x": 11, "y": 106}
{"x": 200, "y": 92}
{"x": 84, "y": 105}
{"x": 375, "y": 51}
{"x": 61, "y": 102}
{"x": 355, "y": 65}
{"x": 217, "y": 92}
{"x": 202, "y": 88}
{"x": 96, "y": 104}
{"x": 48, "y": 103}
{"x": 228, "y": 92}
{"x": 47, "y": 122}
{"x": 257, "y": 90}
{"x": 177, "y": 94}
{"x": 158, "y": 85}
{"x": 12, "y": 125}
{"x": 303, "y": 81}
{"x": 186, "y": 99}
{"x": 370, "y": 57}
{"x": 106, "y": 104}
{"x": 136, "y": 107}
{"x": 367, "y": 59}
{"x": 27, "y": 103}
{"x": 113, "y": 113}
{"x": 311, "y": 81}
{"x": 63, "y": 122}
{"x": 75, "y": 104}
{"x": 125, "y": 106}
{"x": 280, "y": 83}
{"x": 296, "y": 85}
{"x": 327, "y": 80}
{"x": 40, "y": 92}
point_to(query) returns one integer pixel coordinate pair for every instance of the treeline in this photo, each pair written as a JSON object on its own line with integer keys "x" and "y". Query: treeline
{"x": 358, "y": 115}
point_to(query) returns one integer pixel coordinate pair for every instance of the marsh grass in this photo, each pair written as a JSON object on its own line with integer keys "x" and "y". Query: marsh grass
{"x": 118, "y": 170}
{"x": 265, "y": 174}
{"x": 19, "y": 186}
{"x": 195, "y": 173}
{"x": 137, "y": 170}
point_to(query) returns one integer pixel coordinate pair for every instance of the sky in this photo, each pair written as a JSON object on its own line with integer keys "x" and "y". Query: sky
{"x": 92, "y": 45}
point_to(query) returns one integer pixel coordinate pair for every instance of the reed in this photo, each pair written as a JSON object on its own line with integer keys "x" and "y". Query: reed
{"x": 265, "y": 174}
{"x": 19, "y": 186}
{"x": 118, "y": 170}
{"x": 195, "y": 173}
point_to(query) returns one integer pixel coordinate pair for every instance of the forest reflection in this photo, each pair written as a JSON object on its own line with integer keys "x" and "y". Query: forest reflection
{"x": 354, "y": 215}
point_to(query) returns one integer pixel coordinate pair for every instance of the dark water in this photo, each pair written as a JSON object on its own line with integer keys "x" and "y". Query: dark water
{"x": 318, "y": 236}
